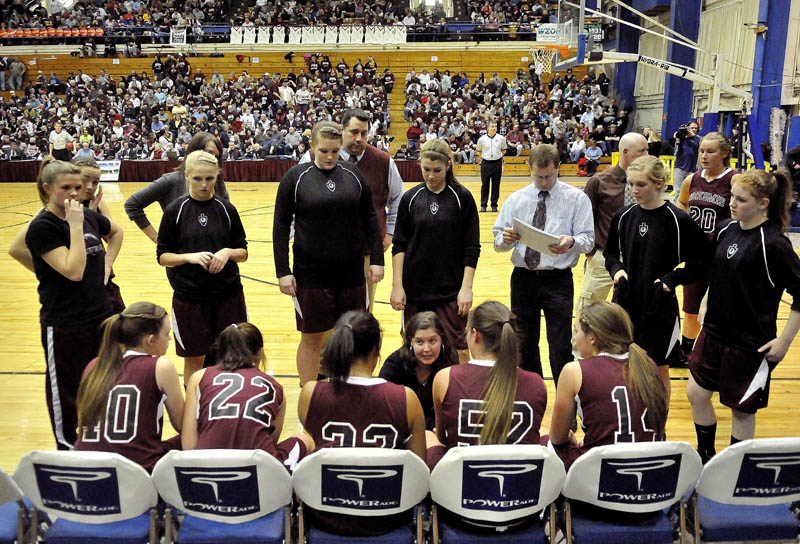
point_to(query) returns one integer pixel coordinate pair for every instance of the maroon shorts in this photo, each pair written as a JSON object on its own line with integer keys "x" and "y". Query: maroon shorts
{"x": 741, "y": 376}
{"x": 693, "y": 294}
{"x": 454, "y": 325}
{"x": 320, "y": 308}
{"x": 115, "y": 297}
{"x": 196, "y": 325}
{"x": 434, "y": 454}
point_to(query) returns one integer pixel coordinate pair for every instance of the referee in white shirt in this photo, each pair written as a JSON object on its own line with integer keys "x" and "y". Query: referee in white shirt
{"x": 59, "y": 138}
{"x": 492, "y": 147}
{"x": 542, "y": 281}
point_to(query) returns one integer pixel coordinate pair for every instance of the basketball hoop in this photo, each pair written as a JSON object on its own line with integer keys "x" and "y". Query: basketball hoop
{"x": 543, "y": 59}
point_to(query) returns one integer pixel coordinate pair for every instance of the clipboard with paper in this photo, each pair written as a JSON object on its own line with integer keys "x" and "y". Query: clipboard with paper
{"x": 534, "y": 238}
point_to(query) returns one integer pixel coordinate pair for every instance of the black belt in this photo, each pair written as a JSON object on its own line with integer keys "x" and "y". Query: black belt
{"x": 491, "y": 160}
{"x": 549, "y": 273}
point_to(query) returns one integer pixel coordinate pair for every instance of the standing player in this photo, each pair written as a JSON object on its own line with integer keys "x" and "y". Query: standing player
{"x": 738, "y": 347}
{"x": 172, "y": 186}
{"x": 334, "y": 219}
{"x": 124, "y": 390}
{"x": 706, "y": 196}
{"x": 614, "y": 387}
{"x": 92, "y": 198}
{"x": 543, "y": 281}
{"x": 436, "y": 246}
{"x": 646, "y": 243}
{"x": 234, "y": 405}
{"x": 492, "y": 147}
{"x": 72, "y": 266}
{"x": 356, "y": 410}
{"x": 381, "y": 173}
{"x": 477, "y": 402}
{"x": 200, "y": 241}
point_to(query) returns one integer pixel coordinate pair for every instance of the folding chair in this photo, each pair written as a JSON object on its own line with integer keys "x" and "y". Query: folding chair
{"x": 241, "y": 496}
{"x": 14, "y": 515}
{"x": 745, "y": 491}
{"x": 497, "y": 494}
{"x": 97, "y": 497}
{"x": 362, "y": 482}
{"x": 641, "y": 480}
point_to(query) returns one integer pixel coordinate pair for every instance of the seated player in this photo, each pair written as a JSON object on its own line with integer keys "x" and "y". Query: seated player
{"x": 235, "y": 405}
{"x": 123, "y": 391}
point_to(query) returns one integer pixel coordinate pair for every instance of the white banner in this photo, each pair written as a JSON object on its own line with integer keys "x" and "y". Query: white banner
{"x": 109, "y": 170}
{"x": 177, "y": 35}
{"x": 547, "y": 32}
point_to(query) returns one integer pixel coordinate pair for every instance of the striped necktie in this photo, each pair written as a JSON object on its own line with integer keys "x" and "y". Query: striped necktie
{"x": 532, "y": 257}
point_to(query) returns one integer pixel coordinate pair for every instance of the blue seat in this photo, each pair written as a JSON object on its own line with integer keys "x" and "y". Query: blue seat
{"x": 368, "y": 483}
{"x": 745, "y": 492}
{"x": 623, "y": 493}
{"x": 495, "y": 494}
{"x": 224, "y": 496}
{"x": 14, "y": 519}
{"x": 93, "y": 497}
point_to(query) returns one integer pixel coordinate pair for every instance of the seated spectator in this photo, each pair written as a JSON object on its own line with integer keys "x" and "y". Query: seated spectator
{"x": 592, "y": 154}
{"x": 577, "y": 149}
{"x": 401, "y": 153}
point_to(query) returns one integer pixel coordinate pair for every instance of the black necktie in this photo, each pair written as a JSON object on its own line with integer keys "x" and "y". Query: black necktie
{"x": 532, "y": 257}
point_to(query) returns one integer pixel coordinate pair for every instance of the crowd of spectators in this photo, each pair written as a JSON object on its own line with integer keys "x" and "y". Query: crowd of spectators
{"x": 334, "y": 12}
{"x": 153, "y": 115}
{"x": 575, "y": 114}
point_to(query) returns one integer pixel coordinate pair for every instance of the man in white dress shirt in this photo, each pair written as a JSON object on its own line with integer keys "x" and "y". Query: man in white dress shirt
{"x": 492, "y": 147}
{"x": 543, "y": 281}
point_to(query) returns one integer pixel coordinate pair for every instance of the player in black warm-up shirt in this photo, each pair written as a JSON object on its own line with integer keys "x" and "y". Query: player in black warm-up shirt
{"x": 436, "y": 246}
{"x": 646, "y": 243}
{"x": 334, "y": 220}
{"x": 738, "y": 348}
{"x": 71, "y": 265}
{"x": 200, "y": 240}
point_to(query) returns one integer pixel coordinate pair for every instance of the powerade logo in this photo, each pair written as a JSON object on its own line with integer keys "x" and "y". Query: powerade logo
{"x": 642, "y": 480}
{"x": 501, "y": 486}
{"x": 229, "y": 491}
{"x": 768, "y": 475}
{"x": 362, "y": 488}
{"x": 89, "y": 491}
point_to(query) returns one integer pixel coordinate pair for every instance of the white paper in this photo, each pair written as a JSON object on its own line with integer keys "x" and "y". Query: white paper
{"x": 534, "y": 238}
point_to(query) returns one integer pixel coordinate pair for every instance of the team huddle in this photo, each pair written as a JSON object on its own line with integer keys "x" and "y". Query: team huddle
{"x": 612, "y": 371}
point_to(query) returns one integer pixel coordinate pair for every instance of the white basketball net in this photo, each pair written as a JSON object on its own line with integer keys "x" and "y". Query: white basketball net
{"x": 543, "y": 60}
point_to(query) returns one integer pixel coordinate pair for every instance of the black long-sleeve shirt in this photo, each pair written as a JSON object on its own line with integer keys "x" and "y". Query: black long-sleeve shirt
{"x": 334, "y": 219}
{"x": 649, "y": 245}
{"x": 190, "y": 226}
{"x": 751, "y": 270}
{"x": 440, "y": 235}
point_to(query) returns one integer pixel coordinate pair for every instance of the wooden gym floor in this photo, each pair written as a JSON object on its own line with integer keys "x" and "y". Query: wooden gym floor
{"x": 24, "y": 424}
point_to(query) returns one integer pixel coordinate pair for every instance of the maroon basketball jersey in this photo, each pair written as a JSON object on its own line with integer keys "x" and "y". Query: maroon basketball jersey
{"x": 463, "y": 405}
{"x": 366, "y": 412}
{"x": 709, "y": 202}
{"x": 609, "y": 412}
{"x": 236, "y": 409}
{"x": 134, "y": 414}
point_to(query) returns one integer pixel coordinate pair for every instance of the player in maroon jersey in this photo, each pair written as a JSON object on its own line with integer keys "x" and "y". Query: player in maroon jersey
{"x": 706, "y": 197}
{"x": 739, "y": 345}
{"x": 488, "y": 400}
{"x": 123, "y": 392}
{"x": 615, "y": 388}
{"x": 234, "y": 405}
{"x": 354, "y": 409}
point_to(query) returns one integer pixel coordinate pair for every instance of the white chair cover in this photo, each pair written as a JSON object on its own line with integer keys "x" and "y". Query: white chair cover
{"x": 641, "y": 477}
{"x": 361, "y": 481}
{"x": 497, "y": 483}
{"x": 249, "y": 34}
{"x": 86, "y": 486}
{"x": 9, "y": 490}
{"x": 295, "y": 34}
{"x": 756, "y": 472}
{"x": 236, "y": 34}
{"x": 228, "y": 486}
{"x": 264, "y": 35}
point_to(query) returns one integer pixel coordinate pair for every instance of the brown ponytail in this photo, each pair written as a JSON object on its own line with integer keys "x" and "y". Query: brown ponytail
{"x": 612, "y": 328}
{"x": 357, "y": 335}
{"x": 125, "y": 329}
{"x": 238, "y": 346}
{"x": 777, "y": 187}
{"x": 493, "y": 321}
